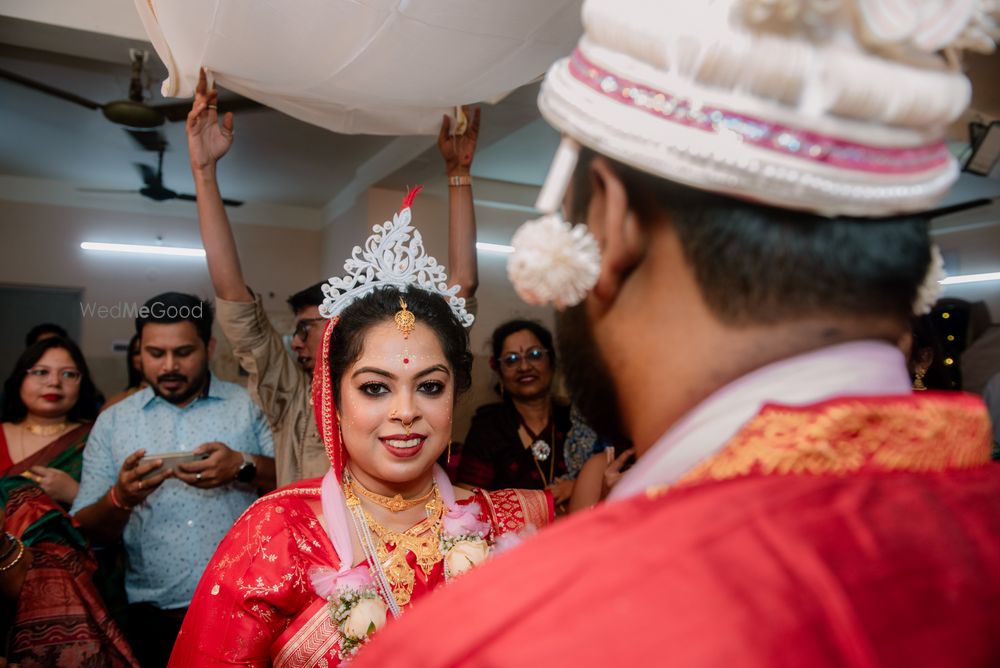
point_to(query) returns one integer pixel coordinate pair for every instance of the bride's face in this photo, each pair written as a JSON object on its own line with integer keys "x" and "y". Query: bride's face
{"x": 396, "y": 404}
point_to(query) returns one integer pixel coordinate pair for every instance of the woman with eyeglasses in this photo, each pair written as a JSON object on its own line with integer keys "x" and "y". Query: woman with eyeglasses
{"x": 519, "y": 442}
{"x": 49, "y": 606}
{"x": 49, "y": 405}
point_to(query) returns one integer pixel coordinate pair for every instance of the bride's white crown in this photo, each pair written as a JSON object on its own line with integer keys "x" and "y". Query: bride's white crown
{"x": 393, "y": 255}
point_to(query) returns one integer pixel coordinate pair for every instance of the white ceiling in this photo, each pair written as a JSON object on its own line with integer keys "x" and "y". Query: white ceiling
{"x": 276, "y": 159}
{"x": 48, "y": 144}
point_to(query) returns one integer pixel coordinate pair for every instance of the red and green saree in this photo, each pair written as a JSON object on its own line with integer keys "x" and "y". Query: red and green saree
{"x": 58, "y": 618}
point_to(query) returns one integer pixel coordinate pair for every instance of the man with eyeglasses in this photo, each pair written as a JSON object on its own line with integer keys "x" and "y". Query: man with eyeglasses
{"x": 280, "y": 385}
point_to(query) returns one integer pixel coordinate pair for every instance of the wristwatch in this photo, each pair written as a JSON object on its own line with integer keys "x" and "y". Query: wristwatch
{"x": 248, "y": 469}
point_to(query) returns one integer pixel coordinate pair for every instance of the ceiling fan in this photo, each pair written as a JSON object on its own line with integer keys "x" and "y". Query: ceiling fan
{"x": 152, "y": 184}
{"x": 132, "y": 112}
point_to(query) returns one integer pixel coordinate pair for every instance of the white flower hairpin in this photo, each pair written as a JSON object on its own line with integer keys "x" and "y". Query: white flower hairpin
{"x": 553, "y": 262}
{"x": 393, "y": 255}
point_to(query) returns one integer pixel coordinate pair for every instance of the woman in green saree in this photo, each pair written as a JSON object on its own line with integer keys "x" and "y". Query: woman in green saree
{"x": 50, "y": 610}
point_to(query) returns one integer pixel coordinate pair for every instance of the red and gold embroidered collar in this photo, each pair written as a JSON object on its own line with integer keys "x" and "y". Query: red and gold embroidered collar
{"x": 927, "y": 432}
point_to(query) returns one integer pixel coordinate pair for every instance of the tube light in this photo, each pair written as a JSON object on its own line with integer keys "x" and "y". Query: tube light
{"x": 971, "y": 278}
{"x": 143, "y": 250}
{"x": 493, "y": 248}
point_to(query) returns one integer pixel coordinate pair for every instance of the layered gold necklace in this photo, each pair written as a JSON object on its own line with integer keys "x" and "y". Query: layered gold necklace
{"x": 423, "y": 539}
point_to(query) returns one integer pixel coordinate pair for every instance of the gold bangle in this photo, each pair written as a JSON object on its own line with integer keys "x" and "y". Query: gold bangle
{"x": 17, "y": 557}
{"x": 465, "y": 180}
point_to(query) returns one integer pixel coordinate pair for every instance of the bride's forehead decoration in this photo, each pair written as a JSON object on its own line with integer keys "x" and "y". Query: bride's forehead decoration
{"x": 393, "y": 256}
{"x": 404, "y": 319}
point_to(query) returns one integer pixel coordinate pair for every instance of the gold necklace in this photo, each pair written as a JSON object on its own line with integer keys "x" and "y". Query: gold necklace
{"x": 44, "y": 429}
{"x": 396, "y": 503}
{"x": 422, "y": 539}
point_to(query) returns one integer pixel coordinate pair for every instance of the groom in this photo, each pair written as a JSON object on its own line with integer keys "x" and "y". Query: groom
{"x": 792, "y": 503}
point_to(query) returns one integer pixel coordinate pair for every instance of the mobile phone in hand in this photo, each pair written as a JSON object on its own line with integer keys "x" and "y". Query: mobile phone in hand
{"x": 171, "y": 460}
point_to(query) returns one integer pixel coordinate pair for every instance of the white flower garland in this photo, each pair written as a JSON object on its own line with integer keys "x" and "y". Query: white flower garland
{"x": 465, "y": 540}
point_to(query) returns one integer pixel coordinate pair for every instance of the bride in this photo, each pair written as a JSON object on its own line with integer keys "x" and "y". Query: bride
{"x": 311, "y": 571}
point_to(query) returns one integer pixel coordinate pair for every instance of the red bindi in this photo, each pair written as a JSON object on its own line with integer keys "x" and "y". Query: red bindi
{"x": 406, "y": 360}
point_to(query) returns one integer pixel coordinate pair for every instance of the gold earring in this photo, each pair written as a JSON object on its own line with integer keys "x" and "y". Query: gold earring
{"x": 448, "y": 458}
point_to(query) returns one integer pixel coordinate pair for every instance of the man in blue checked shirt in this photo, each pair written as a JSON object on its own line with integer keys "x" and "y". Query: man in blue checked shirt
{"x": 171, "y": 517}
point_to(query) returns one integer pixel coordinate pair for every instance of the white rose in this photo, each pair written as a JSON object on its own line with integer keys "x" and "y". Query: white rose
{"x": 464, "y": 555}
{"x": 368, "y": 611}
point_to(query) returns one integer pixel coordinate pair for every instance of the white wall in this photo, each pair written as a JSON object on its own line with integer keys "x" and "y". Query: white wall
{"x": 41, "y": 246}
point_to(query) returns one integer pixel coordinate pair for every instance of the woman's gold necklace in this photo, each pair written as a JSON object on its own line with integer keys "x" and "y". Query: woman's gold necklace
{"x": 45, "y": 429}
{"x": 396, "y": 504}
{"x": 34, "y": 430}
{"x": 423, "y": 539}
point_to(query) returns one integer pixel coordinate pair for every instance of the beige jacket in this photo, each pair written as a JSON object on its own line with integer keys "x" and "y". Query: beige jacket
{"x": 279, "y": 386}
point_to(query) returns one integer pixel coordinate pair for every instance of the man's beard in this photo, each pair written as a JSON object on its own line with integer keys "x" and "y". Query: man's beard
{"x": 590, "y": 384}
{"x": 183, "y": 393}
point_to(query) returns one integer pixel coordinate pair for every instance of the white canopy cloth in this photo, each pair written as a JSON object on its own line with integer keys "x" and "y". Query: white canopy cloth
{"x": 361, "y": 66}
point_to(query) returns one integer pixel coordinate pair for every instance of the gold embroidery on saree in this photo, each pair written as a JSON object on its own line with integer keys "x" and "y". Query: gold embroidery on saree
{"x": 311, "y": 643}
{"x": 329, "y": 433}
{"x": 257, "y": 546}
{"x": 513, "y": 509}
